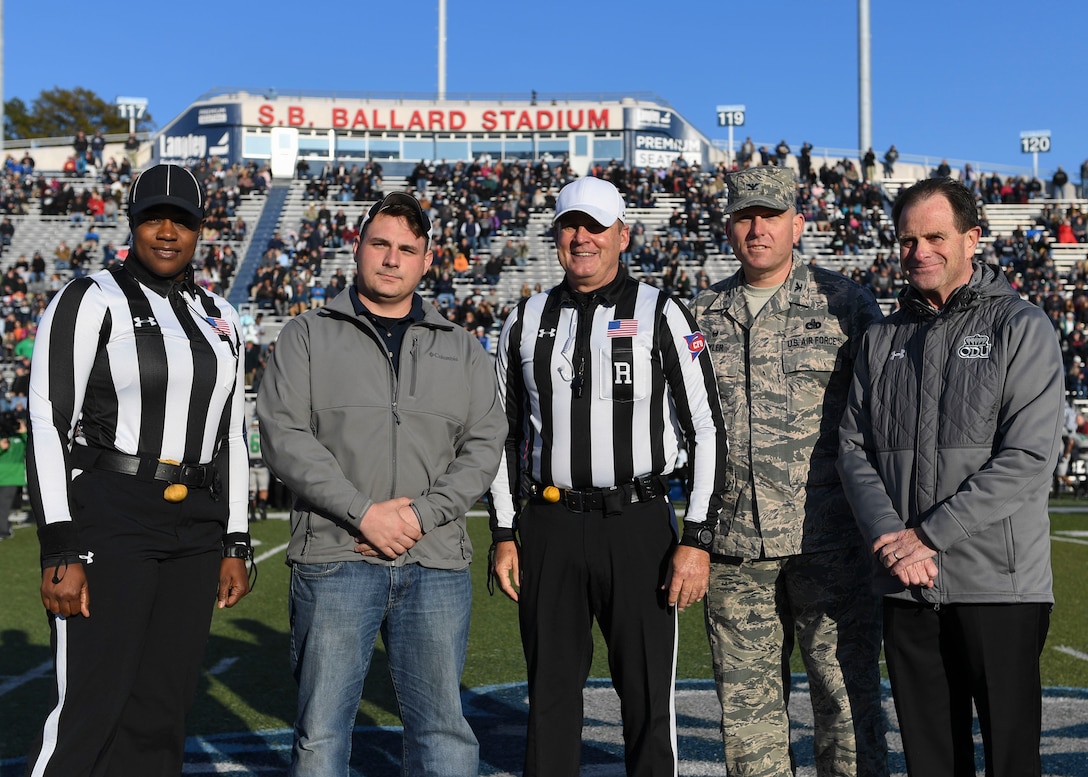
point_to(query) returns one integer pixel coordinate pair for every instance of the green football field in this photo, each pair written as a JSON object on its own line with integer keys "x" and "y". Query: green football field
{"x": 247, "y": 685}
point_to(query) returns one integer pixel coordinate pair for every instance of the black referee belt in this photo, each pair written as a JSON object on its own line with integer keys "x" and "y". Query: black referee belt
{"x": 611, "y": 499}
{"x": 143, "y": 468}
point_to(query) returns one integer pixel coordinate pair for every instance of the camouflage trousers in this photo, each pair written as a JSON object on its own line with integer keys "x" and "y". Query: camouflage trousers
{"x": 755, "y": 611}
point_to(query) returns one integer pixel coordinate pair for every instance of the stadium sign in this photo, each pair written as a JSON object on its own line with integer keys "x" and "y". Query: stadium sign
{"x": 186, "y": 149}
{"x": 731, "y": 115}
{"x": 353, "y": 115}
{"x": 662, "y": 151}
{"x": 239, "y": 125}
{"x": 131, "y": 108}
{"x": 661, "y": 137}
{"x": 203, "y": 132}
{"x": 1035, "y": 141}
{"x": 215, "y": 114}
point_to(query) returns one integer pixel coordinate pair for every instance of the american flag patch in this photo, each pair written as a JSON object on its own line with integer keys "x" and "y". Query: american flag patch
{"x": 623, "y": 327}
{"x": 220, "y": 325}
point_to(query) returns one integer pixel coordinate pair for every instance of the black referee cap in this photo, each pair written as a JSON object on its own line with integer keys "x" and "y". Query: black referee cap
{"x": 165, "y": 185}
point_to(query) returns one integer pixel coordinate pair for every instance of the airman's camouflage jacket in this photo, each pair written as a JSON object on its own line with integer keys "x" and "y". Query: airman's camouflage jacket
{"x": 783, "y": 379}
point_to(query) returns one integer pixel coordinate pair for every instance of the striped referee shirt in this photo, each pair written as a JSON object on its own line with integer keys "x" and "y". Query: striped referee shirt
{"x": 130, "y": 362}
{"x": 602, "y": 388}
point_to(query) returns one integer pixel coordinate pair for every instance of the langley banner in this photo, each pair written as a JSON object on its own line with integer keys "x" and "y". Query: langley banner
{"x": 200, "y": 133}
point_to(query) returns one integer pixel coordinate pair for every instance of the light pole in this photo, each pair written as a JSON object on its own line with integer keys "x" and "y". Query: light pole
{"x": 441, "y": 49}
{"x": 1, "y": 76}
{"x": 865, "y": 98}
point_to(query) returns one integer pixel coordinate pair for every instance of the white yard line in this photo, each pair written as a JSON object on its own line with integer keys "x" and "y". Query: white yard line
{"x": 1071, "y": 652}
{"x": 222, "y": 665}
{"x": 1056, "y": 538}
{"x": 11, "y": 683}
{"x": 276, "y": 551}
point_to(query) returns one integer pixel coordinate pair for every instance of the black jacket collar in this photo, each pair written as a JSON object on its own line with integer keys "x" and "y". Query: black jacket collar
{"x": 157, "y": 284}
{"x": 609, "y": 294}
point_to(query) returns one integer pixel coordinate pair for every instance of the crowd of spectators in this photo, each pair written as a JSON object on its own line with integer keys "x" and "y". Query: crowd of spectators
{"x": 481, "y": 214}
{"x": 481, "y": 211}
{"x": 92, "y": 206}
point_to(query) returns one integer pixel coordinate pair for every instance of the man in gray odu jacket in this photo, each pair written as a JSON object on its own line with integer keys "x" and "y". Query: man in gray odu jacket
{"x": 947, "y": 448}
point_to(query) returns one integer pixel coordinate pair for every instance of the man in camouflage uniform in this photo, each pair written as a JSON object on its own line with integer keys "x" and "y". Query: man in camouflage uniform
{"x": 788, "y": 562}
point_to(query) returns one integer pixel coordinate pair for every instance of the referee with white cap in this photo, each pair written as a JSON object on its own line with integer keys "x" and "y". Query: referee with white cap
{"x": 137, "y": 470}
{"x": 605, "y": 381}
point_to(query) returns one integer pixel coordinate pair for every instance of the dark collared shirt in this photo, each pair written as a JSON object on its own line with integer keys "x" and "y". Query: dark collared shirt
{"x": 392, "y": 330}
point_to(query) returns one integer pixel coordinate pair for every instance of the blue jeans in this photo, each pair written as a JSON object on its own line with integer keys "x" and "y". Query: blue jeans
{"x": 337, "y": 610}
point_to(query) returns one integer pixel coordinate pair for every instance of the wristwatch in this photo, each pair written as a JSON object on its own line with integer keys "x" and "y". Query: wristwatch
{"x": 244, "y": 552}
{"x": 701, "y": 537}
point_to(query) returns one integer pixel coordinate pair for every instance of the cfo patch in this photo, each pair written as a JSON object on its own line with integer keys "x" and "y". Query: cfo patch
{"x": 696, "y": 344}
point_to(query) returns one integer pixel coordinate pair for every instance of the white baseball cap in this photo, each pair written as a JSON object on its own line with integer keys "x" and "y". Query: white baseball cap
{"x": 595, "y": 197}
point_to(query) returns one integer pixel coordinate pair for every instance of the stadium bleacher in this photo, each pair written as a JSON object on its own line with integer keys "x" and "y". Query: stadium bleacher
{"x": 675, "y": 212}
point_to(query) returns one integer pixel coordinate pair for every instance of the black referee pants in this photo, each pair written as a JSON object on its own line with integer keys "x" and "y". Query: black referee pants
{"x": 126, "y": 676}
{"x": 939, "y": 661}
{"x": 577, "y": 567}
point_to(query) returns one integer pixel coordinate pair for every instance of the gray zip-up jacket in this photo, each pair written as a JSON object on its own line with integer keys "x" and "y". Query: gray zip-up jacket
{"x": 953, "y": 425}
{"x": 343, "y": 431}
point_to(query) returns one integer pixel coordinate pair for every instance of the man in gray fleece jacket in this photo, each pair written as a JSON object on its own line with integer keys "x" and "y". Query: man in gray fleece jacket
{"x": 383, "y": 419}
{"x": 947, "y": 447}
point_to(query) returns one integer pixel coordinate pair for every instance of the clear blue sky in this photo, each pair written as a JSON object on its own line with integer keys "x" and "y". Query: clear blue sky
{"x": 950, "y": 78}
